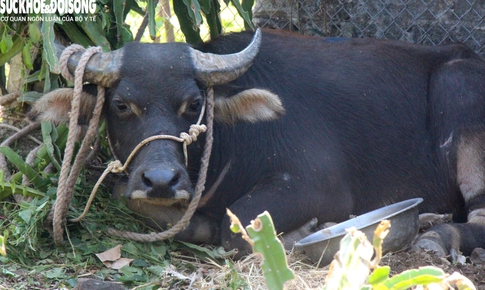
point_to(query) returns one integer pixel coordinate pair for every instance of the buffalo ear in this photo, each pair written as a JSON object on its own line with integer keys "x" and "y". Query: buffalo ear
{"x": 55, "y": 107}
{"x": 250, "y": 105}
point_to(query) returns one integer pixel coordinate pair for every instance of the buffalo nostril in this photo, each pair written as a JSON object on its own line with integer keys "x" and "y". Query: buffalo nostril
{"x": 160, "y": 179}
{"x": 175, "y": 179}
{"x": 146, "y": 180}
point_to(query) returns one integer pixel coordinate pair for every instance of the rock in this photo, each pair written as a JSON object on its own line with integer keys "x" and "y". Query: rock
{"x": 88, "y": 284}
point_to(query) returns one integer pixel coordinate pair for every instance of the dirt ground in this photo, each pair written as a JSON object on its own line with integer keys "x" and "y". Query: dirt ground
{"x": 402, "y": 261}
{"x": 314, "y": 277}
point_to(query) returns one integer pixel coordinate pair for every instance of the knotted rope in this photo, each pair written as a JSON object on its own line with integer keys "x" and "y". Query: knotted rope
{"x": 65, "y": 188}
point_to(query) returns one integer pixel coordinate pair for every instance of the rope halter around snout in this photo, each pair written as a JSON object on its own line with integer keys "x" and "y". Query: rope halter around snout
{"x": 65, "y": 189}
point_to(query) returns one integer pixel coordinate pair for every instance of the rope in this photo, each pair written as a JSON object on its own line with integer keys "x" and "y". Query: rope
{"x": 68, "y": 176}
{"x": 67, "y": 180}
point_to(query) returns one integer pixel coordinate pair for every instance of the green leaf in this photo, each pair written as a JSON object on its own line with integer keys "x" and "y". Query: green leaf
{"x": 379, "y": 275}
{"x": 206, "y": 253}
{"x": 49, "y": 51}
{"x": 55, "y": 273}
{"x": 213, "y": 19}
{"x": 205, "y": 5}
{"x": 157, "y": 270}
{"x": 3, "y": 46}
{"x": 26, "y": 57}
{"x": 72, "y": 282}
{"x": 59, "y": 135}
{"x": 16, "y": 178}
{"x": 26, "y": 215}
{"x": 47, "y": 131}
{"x": 18, "y": 44}
{"x": 44, "y": 75}
{"x": 6, "y": 272}
{"x": 139, "y": 263}
{"x": 30, "y": 97}
{"x": 193, "y": 10}
{"x": 31, "y": 174}
{"x": 75, "y": 34}
{"x": 414, "y": 277}
{"x": 126, "y": 34}
{"x": 186, "y": 25}
{"x": 6, "y": 44}
{"x": 158, "y": 250}
{"x": 132, "y": 274}
{"x": 136, "y": 8}
{"x": 245, "y": 12}
{"x": 2, "y": 178}
{"x": 34, "y": 32}
{"x": 152, "y": 26}
{"x": 94, "y": 32}
{"x": 118, "y": 10}
{"x": 3, "y": 241}
{"x": 275, "y": 266}
{"x": 247, "y": 5}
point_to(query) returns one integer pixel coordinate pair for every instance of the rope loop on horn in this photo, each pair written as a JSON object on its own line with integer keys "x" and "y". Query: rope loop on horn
{"x": 68, "y": 174}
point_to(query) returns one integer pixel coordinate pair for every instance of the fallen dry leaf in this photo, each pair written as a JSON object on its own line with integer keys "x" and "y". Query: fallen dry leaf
{"x": 112, "y": 258}
{"x": 120, "y": 263}
{"x": 112, "y": 254}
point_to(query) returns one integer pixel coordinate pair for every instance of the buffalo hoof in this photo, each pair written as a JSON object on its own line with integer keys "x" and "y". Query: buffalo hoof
{"x": 289, "y": 239}
{"x": 430, "y": 241}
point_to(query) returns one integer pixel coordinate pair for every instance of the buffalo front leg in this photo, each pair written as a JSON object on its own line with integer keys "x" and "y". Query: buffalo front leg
{"x": 293, "y": 204}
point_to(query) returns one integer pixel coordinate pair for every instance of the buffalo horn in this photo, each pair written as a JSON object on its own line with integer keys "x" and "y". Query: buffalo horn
{"x": 216, "y": 69}
{"x": 102, "y": 69}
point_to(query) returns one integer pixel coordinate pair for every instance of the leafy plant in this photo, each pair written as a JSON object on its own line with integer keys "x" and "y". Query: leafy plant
{"x": 351, "y": 268}
{"x": 40, "y": 182}
{"x": 352, "y": 265}
{"x": 3, "y": 249}
{"x": 189, "y": 14}
{"x": 261, "y": 235}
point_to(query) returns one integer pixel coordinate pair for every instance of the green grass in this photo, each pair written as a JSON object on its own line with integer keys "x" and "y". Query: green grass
{"x": 34, "y": 261}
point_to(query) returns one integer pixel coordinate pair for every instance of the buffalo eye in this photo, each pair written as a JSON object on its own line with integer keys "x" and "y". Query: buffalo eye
{"x": 195, "y": 105}
{"x": 121, "y": 107}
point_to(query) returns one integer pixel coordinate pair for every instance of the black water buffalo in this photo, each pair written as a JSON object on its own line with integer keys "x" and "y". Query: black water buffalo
{"x": 304, "y": 129}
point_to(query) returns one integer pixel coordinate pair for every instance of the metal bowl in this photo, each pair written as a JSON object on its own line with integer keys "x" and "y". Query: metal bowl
{"x": 321, "y": 246}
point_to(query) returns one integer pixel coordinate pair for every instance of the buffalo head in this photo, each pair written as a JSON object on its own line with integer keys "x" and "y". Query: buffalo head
{"x": 159, "y": 89}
